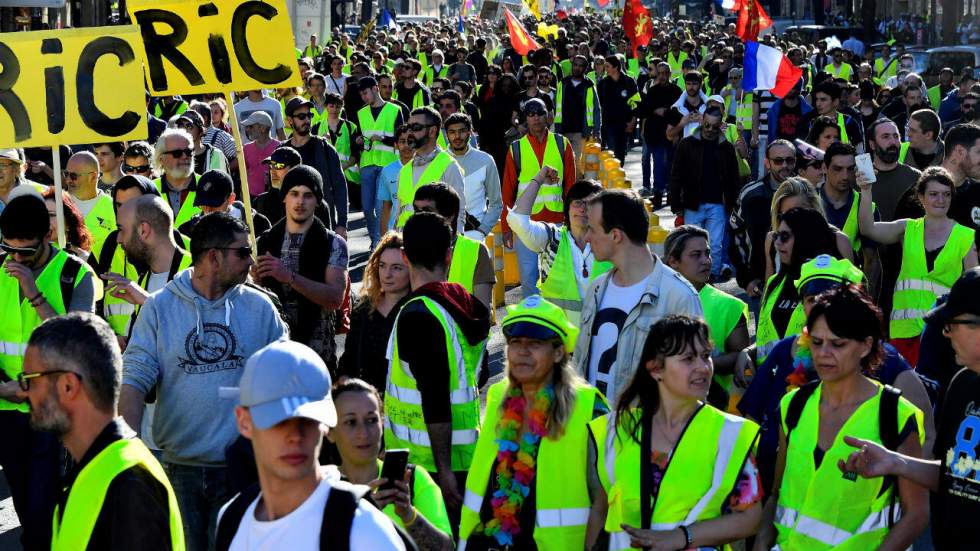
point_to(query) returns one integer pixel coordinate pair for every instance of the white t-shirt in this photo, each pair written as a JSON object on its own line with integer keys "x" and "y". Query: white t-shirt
{"x": 86, "y": 206}
{"x": 335, "y": 84}
{"x": 300, "y": 530}
{"x": 617, "y": 303}
{"x": 273, "y": 108}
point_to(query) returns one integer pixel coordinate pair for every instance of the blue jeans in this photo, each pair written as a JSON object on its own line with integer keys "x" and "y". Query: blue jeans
{"x": 615, "y": 139}
{"x": 711, "y": 217}
{"x": 369, "y": 201}
{"x": 646, "y": 158}
{"x": 200, "y": 491}
{"x": 663, "y": 159}
{"x": 527, "y": 266}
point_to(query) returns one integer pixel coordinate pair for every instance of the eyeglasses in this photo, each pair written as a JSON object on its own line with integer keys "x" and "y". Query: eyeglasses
{"x": 73, "y": 175}
{"x": 277, "y": 166}
{"x": 780, "y": 161}
{"x": 23, "y": 251}
{"x": 179, "y": 153}
{"x": 142, "y": 169}
{"x": 418, "y": 127}
{"x": 244, "y": 251}
{"x": 782, "y": 236}
{"x": 24, "y": 379}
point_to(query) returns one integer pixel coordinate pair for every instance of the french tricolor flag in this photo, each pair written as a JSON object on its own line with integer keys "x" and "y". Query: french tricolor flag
{"x": 766, "y": 68}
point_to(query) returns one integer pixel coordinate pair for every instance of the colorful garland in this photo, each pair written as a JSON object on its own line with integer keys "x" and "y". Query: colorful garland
{"x": 516, "y": 460}
{"x": 802, "y": 363}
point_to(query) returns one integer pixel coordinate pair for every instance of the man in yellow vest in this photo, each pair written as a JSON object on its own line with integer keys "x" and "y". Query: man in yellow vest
{"x": 441, "y": 331}
{"x": 37, "y": 281}
{"x": 177, "y": 182}
{"x": 471, "y": 265}
{"x": 81, "y": 178}
{"x": 438, "y": 69}
{"x": 377, "y": 120}
{"x": 686, "y": 251}
{"x": 826, "y": 102}
{"x": 838, "y": 68}
{"x": 577, "y": 110}
{"x": 938, "y": 93}
{"x": 886, "y": 65}
{"x": 430, "y": 164}
{"x": 410, "y": 91}
{"x": 525, "y": 158}
{"x": 117, "y": 495}
{"x": 675, "y": 57}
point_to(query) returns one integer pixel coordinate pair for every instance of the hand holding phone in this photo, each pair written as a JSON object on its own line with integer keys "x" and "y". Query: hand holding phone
{"x": 395, "y": 464}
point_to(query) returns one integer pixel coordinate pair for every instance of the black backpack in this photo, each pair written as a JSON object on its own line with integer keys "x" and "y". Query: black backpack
{"x": 335, "y": 528}
{"x": 887, "y": 426}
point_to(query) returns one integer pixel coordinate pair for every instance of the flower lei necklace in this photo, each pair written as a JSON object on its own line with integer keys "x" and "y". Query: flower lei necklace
{"x": 802, "y": 363}
{"x": 516, "y": 458}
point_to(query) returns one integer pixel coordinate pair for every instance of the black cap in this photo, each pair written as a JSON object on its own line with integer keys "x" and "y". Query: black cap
{"x": 963, "y": 298}
{"x": 285, "y": 155}
{"x": 192, "y": 117}
{"x": 303, "y": 175}
{"x": 366, "y": 83}
{"x": 295, "y": 103}
{"x": 213, "y": 189}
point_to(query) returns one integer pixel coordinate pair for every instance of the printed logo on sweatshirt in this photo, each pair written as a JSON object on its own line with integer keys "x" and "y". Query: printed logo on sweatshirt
{"x": 211, "y": 350}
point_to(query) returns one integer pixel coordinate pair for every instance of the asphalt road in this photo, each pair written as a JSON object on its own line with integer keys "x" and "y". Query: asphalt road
{"x": 358, "y": 246}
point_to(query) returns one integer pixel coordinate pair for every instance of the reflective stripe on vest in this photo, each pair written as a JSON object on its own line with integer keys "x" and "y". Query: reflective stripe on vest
{"x": 88, "y": 493}
{"x": 916, "y": 289}
{"x": 187, "y": 208}
{"x": 704, "y": 467}
{"x": 766, "y": 334}
{"x": 722, "y": 313}
{"x": 407, "y": 185}
{"x": 20, "y": 318}
{"x": 462, "y": 267}
{"x": 374, "y": 130}
{"x": 560, "y": 485}
{"x": 343, "y": 146}
{"x": 819, "y": 509}
{"x": 743, "y": 109}
{"x": 550, "y": 196}
{"x": 589, "y": 103}
{"x": 559, "y": 283}
{"x": 404, "y": 421}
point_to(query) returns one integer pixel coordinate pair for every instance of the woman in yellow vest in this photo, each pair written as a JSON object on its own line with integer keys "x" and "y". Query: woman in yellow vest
{"x": 675, "y": 472}
{"x": 802, "y": 234}
{"x": 414, "y": 503}
{"x": 935, "y": 251}
{"x": 686, "y": 250}
{"x": 528, "y": 485}
{"x": 817, "y": 506}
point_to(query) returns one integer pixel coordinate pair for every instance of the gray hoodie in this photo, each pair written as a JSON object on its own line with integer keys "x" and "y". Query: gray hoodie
{"x": 191, "y": 346}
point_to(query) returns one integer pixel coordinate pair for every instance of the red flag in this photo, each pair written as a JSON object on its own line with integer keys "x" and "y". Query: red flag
{"x": 520, "y": 40}
{"x": 751, "y": 20}
{"x": 637, "y": 23}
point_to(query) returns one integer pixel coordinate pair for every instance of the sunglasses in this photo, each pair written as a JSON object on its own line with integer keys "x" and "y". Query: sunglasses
{"x": 23, "y": 251}
{"x": 780, "y": 161}
{"x": 143, "y": 169}
{"x": 418, "y": 127}
{"x": 535, "y": 113}
{"x": 73, "y": 175}
{"x": 949, "y": 324}
{"x": 277, "y": 166}
{"x": 244, "y": 251}
{"x": 301, "y": 116}
{"x": 179, "y": 153}
{"x": 24, "y": 379}
{"x": 782, "y": 236}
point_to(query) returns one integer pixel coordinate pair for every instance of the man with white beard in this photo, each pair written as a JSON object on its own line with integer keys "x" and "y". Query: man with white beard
{"x": 177, "y": 183}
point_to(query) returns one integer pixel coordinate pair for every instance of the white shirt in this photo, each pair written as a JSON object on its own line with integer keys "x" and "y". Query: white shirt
{"x": 535, "y": 236}
{"x": 86, "y": 206}
{"x": 617, "y": 303}
{"x": 271, "y": 107}
{"x": 335, "y": 84}
{"x": 300, "y": 529}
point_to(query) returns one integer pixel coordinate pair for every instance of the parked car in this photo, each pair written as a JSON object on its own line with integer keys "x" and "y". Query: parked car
{"x": 954, "y": 57}
{"x": 810, "y": 34}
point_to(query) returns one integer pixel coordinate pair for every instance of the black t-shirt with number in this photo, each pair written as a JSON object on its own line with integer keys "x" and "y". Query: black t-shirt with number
{"x": 956, "y": 507}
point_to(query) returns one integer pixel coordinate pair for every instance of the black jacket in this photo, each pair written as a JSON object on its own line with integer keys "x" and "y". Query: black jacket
{"x": 685, "y": 177}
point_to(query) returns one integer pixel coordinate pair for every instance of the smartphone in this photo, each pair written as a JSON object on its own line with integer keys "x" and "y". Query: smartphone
{"x": 395, "y": 463}
{"x": 865, "y": 166}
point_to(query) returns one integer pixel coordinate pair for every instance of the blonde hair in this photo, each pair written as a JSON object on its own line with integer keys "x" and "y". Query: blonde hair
{"x": 371, "y": 290}
{"x": 566, "y": 385}
{"x": 795, "y": 186}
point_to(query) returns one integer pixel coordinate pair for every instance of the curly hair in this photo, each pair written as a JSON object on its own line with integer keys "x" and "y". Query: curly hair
{"x": 76, "y": 233}
{"x": 371, "y": 290}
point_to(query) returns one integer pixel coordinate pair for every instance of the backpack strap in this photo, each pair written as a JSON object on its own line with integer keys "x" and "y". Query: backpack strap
{"x": 889, "y": 432}
{"x": 68, "y": 274}
{"x": 796, "y": 405}
{"x": 232, "y": 517}
{"x": 560, "y": 140}
{"x": 515, "y": 152}
{"x": 338, "y": 517}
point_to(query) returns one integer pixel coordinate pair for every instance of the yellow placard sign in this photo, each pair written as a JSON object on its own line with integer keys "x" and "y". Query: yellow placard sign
{"x": 195, "y": 47}
{"x": 72, "y": 86}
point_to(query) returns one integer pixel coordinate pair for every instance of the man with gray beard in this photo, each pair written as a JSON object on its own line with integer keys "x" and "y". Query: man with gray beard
{"x": 177, "y": 183}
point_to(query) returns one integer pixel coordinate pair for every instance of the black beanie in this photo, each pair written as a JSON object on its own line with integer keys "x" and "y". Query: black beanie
{"x": 303, "y": 175}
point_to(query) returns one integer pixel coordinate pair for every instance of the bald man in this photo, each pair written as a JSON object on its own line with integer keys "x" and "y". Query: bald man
{"x": 146, "y": 234}
{"x": 81, "y": 178}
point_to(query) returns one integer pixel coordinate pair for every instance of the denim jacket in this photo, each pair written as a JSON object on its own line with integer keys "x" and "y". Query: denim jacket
{"x": 667, "y": 292}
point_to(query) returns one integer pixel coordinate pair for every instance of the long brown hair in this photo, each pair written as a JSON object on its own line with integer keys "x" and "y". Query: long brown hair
{"x": 76, "y": 233}
{"x": 371, "y": 290}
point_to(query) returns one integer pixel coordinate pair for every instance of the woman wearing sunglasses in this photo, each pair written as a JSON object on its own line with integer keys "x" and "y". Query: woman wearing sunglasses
{"x": 935, "y": 251}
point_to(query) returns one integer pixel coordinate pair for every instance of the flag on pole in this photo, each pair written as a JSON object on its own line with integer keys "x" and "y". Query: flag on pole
{"x": 533, "y": 7}
{"x": 731, "y": 5}
{"x": 752, "y": 19}
{"x": 459, "y": 26}
{"x": 467, "y": 6}
{"x": 637, "y": 23}
{"x": 388, "y": 21}
{"x": 766, "y": 68}
{"x": 520, "y": 39}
